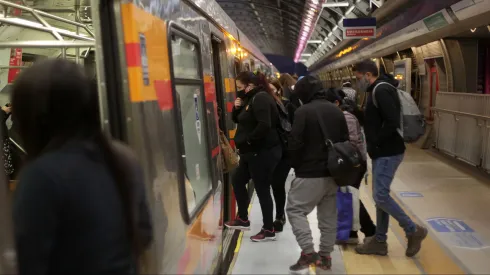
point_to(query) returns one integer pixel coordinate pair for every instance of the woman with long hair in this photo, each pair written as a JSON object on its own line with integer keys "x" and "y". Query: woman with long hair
{"x": 356, "y": 136}
{"x": 80, "y": 205}
{"x": 259, "y": 147}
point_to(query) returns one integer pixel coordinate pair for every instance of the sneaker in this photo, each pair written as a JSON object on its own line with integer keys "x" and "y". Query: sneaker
{"x": 325, "y": 263}
{"x": 371, "y": 246}
{"x": 238, "y": 224}
{"x": 415, "y": 241}
{"x": 279, "y": 224}
{"x": 302, "y": 266}
{"x": 346, "y": 242}
{"x": 264, "y": 236}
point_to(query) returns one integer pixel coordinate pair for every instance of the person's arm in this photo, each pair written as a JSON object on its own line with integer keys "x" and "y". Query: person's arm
{"x": 235, "y": 112}
{"x": 35, "y": 214}
{"x": 261, "y": 109}
{"x": 296, "y": 138}
{"x": 353, "y": 130}
{"x": 390, "y": 113}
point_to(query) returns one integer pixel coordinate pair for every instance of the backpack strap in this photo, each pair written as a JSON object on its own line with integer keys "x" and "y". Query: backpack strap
{"x": 328, "y": 142}
{"x": 374, "y": 90}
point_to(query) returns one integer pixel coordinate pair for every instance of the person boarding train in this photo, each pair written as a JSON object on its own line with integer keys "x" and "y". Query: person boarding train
{"x": 259, "y": 147}
{"x": 313, "y": 187}
{"x": 386, "y": 148}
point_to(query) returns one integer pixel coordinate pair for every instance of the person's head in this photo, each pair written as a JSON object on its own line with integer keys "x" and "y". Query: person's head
{"x": 309, "y": 88}
{"x": 336, "y": 96}
{"x": 276, "y": 87}
{"x": 366, "y": 71}
{"x": 248, "y": 81}
{"x": 54, "y": 103}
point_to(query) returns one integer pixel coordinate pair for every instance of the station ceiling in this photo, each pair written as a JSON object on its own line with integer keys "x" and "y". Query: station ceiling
{"x": 275, "y": 25}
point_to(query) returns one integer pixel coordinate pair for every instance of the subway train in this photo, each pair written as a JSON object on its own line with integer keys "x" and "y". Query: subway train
{"x": 165, "y": 73}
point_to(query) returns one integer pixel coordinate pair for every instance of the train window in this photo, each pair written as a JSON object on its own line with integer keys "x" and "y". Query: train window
{"x": 195, "y": 165}
{"x": 185, "y": 58}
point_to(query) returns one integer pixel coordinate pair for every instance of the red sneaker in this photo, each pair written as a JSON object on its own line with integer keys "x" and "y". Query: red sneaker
{"x": 264, "y": 236}
{"x": 238, "y": 224}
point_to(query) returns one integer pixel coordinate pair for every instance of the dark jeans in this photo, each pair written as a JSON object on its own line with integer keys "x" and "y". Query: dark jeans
{"x": 367, "y": 225}
{"x": 259, "y": 167}
{"x": 279, "y": 185}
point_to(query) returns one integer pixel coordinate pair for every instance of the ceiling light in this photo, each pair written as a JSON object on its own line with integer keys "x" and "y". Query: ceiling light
{"x": 350, "y": 10}
{"x": 334, "y": 5}
{"x": 473, "y": 30}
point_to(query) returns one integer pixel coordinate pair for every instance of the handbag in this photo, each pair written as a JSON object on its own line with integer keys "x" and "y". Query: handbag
{"x": 344, "y": 214}
{"x": 344, "y": 159}
{"x": 230, "y": 158}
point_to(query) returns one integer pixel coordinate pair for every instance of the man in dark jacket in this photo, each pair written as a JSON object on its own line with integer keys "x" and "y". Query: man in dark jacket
{"x": 386, "y": 149}
{"x": 313, "y": 185}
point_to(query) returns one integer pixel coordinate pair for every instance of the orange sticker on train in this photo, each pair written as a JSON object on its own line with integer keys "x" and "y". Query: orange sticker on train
{"x": 141, "y": 28}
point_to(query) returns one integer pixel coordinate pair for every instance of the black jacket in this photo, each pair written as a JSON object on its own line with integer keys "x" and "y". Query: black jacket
{"x": 307, "y": 145}
{"x": 3, "y": 117}
{"x": 69, "y": 217}
{"x": 381, "y": 123}
{"x": 257, "y": 122}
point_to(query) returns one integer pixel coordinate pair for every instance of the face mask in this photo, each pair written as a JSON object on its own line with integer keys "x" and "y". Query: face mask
{"x": 241, "y": 93}
{"x": 363, "y": 84}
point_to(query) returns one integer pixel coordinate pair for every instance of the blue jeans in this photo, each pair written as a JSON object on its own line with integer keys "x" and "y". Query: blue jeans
{"x": 384, "y": 170}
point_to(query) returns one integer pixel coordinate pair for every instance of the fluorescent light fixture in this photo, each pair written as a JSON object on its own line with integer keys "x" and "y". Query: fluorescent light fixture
{"x": 350, "y": 10}
{"x": 314, "y": 41}
{"x": 306, "y": 54}
{"x": 335, "y": 5}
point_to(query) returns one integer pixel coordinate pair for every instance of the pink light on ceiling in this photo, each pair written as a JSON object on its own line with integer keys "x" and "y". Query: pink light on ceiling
{"x": 308, "y": 24}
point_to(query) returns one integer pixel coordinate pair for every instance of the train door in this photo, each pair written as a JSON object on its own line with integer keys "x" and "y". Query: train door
{"x": 218, "y": 49}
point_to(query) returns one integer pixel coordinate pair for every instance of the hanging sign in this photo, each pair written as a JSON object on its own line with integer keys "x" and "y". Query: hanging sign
{"x": 358, "y": 28}
{"x": 198, "y": 121}
{"x": 15, "y": 60}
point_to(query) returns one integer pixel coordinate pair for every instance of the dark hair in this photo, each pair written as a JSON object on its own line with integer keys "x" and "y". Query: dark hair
{"x": 333, "y": 94}
{"x": 345, "y": 104}
{"x": 366, "y": 66}
{"x": 56, "y": 103}
{"x": 259, "y": 80}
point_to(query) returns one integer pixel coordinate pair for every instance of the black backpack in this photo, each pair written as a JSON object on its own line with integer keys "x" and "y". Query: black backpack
{"x": 344, "y": 159}
{"x": 284, "y": 126}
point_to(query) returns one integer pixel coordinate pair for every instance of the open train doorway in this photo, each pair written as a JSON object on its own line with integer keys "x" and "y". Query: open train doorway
{"x": 219, "y": 51}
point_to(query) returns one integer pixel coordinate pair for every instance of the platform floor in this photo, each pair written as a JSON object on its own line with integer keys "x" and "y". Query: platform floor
{"x": 450, "y": 199}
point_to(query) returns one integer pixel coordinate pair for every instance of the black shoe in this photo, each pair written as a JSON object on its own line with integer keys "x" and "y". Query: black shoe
{"x": 303, "y": 264}
{"x": 324, "y": 263}
{"x": 279, "y": 224}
